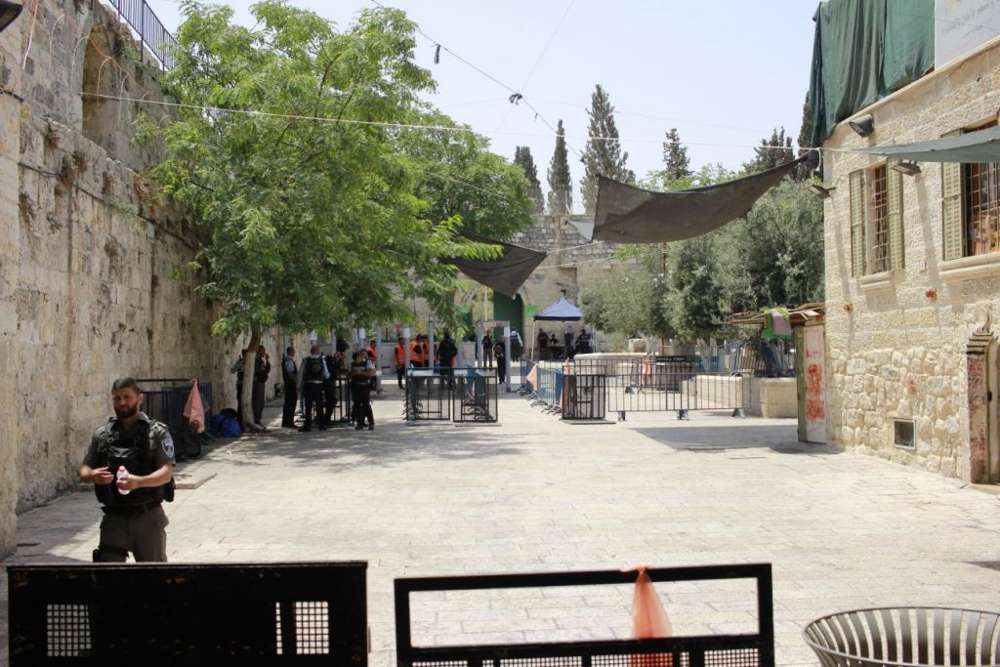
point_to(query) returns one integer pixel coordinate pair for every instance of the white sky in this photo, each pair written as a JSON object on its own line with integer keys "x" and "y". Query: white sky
{"x": 723, "y": 72}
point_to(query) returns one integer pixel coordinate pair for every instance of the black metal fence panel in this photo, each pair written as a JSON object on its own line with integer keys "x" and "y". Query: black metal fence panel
{"x": 164, "y": 400}
{"x": 586, "y": 396}
{"x": 475, "y": 396}
{"x": 737, "y": 650}
{"x": 190, "y": 614}
{"x": 152, "y": 33}
{"x": 428, "y": 396}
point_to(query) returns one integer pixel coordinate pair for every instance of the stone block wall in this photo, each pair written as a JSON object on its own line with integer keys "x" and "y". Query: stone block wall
{"x": 91, "y": 286}
{"x": 896, "y": 342}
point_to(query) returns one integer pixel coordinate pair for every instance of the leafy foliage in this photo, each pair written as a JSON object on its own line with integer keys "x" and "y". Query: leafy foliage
{"x": 523, "y": 158}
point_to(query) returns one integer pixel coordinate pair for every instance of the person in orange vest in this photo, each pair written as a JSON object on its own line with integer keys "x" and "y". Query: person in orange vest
{"x": 400, "y": 361}
{"x": 416, "y": 353}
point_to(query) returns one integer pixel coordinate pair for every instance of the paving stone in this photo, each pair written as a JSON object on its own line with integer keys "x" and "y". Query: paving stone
{"x": 842, "y": 530}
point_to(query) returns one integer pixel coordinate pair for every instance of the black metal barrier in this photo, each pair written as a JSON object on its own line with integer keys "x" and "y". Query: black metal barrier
{"x": 736, "y": 650}
{"x": 428, "y": 395}
{"x": 475, "y": 396}
{"x": 191, "y": 614}
{"x": 164, "y": 400}
{"x": 586, "y": 396}
{"x": 340, "y": 412}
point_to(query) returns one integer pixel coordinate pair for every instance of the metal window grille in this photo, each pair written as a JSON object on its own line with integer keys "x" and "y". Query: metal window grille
{"x": 312, "y": 628}
{"x": 67, "y": 629}
{"x": 880, "y": 220}
{"x": 982, "y": 207}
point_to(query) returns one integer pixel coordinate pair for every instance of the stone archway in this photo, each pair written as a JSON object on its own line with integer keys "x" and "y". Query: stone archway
{"x": 983, "y": 364}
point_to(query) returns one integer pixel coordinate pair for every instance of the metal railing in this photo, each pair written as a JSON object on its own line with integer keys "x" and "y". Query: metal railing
{"x": 749, "y": 649}
{"x": 152, "y": 34}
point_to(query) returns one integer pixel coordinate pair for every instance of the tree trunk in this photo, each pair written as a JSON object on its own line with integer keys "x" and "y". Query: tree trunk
{"x": 249, "y": 363}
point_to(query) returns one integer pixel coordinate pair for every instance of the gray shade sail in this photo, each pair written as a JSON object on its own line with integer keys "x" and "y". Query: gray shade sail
{"x": 561, "y": 311}
{"x": 978, "y": 146}
{"x": 506, "y": 274}
{"x": 627, "y": 214}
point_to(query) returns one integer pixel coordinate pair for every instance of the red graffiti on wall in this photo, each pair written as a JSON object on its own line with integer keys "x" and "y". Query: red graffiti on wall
{"x": 815, "y": 408}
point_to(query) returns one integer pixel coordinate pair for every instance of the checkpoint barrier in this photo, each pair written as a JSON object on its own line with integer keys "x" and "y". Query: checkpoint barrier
{"x": 475, "y": 396}
{"x": 737, "y": 650}
{"x": 190, "y": 614}
{"x": 463, "y": 395}
{"x": 592, "y": 389}
{"x": 340, "y": 413}
{"x": 164, "y": 400}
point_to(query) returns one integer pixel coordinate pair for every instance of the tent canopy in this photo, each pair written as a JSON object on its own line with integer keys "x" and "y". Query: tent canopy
{"x": 627, "y": 214}
{"x": 506, "y": 274}
{"x": 978, "y": 146}
{"x": 561, "y": 311}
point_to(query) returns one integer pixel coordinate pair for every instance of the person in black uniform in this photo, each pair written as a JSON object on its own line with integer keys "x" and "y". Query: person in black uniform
{"x": 362, "y": 381}
{"x": 134, "y": 520}
{"x": 261, "y": 371}
{"x": 237, "y": 368}
{"x": 311, "y": 376}
{"x": 290, "y": 376}
{"x": 330, "y": 387}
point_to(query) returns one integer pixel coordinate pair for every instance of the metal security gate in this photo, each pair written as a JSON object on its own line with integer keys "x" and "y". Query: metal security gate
{"x": 586, "y": 397}
{"x": 475, "y": 396}
{"x": 428, "y": 396}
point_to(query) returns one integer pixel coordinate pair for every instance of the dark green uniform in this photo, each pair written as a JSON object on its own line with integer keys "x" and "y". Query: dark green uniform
{"x": 133, "y": 522}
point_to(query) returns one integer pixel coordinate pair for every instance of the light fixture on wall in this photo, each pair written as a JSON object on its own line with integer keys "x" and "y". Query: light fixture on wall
{"x": 905, "y": 167}
{"x": 863, "y": 125}
{"x": 8, "y": 12}
{"x": 821, "y": 191}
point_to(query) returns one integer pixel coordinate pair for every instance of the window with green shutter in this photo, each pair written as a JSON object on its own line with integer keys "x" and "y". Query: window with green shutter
{"x": 857, "y": 191}
{"x": 894, "y": 191}
{"x": 952, "y": 218}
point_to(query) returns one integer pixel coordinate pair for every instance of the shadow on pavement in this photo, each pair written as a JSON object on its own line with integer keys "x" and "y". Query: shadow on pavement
{"x": 778, "y": 438}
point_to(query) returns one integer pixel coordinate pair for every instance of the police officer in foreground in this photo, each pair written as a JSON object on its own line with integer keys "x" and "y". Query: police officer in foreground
{"x": 134, "y": 520}
{"x": 312, "y": 373}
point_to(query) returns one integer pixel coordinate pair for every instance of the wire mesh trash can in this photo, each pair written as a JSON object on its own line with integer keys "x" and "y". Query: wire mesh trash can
{"x": 904, "y": 636}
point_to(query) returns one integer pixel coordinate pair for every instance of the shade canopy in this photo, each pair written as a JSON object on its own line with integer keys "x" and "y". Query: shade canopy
{"x": 561, "y": 311}
{"x": 9, "y": 11}
{"x": 505, "y": 274}
{"x": 978, "y": 146}
{"x": 627, "y": 214}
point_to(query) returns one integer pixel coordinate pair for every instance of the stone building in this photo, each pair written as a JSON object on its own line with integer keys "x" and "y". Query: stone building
{"x": 913, "y": 277}
{"x": 89, "y": 282}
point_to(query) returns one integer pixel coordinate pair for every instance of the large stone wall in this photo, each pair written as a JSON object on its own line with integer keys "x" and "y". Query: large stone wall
{"x": 897, "y": 342}
{"x": 91, "y": 286}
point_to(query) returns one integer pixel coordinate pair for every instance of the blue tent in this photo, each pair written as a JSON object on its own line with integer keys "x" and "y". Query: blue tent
{"x": 561, "y": 311}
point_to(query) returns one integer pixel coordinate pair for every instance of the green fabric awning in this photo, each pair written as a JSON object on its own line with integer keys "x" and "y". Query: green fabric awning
{"x": 506, "y": 274}
{"x": 627, "y": 214}
{"x": 862, "y": 51}
{"x": 978, "y": 146}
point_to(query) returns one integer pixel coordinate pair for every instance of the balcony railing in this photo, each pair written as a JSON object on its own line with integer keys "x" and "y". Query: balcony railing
{"x": 152, "y": 34}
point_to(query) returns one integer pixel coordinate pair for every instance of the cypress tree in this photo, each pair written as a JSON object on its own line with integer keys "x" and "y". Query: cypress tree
{"x": 603, "y": 155}
{"x": 676, "y": 163}
{"x": 523, "y": 158}
{"x": 769, "y": 154}
{"x": 560, "y": 185}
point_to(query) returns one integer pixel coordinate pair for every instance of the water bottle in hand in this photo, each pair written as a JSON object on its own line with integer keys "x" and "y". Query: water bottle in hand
{"x": 122, "y": 474}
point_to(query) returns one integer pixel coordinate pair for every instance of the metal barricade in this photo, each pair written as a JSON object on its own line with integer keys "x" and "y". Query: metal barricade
{"x": 667, "y": 386}
{"x": 744, "y": 649}
{"x": 340, "y": 411}
{"x": 475, "y": 395}
{"x": 188, "y": 614}
{"x": 428, "y": 395}
{"x": 586, "y": 397}
{"x": 164, "y": 400}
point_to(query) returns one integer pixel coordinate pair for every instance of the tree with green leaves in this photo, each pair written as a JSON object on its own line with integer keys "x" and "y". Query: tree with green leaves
{"x": 523, "y": 158}
{"x": 457, "y": 176}
{"x": 694, "y": 299}
{"x": 676, "y": 163}
{"x": 603, "y": 154}
{"x": 308, "y": 213}
{"x": 560, "y": 182}
{"x": 773, "y": 151}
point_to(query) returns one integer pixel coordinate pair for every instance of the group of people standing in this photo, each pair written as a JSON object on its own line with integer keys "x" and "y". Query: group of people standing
{"x": 315, "y": 379}
{"x": 419, "y": 353}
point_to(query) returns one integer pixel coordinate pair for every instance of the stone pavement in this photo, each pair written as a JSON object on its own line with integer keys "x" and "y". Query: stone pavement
{"x": 535, "y": 494}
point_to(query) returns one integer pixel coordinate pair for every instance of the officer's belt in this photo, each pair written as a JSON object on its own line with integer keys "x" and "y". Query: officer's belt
{"x": 129, "y": 510}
